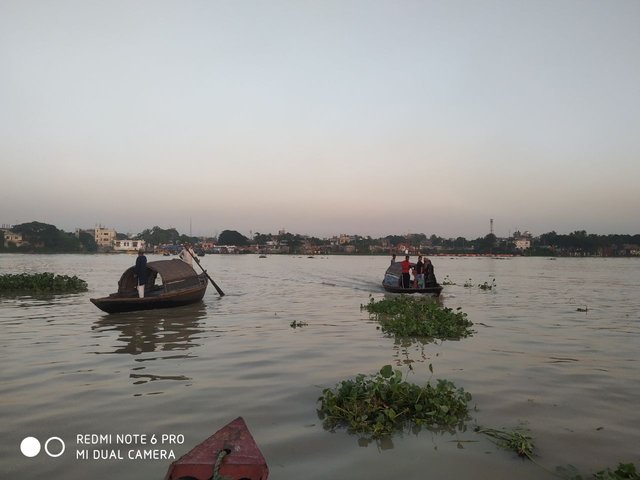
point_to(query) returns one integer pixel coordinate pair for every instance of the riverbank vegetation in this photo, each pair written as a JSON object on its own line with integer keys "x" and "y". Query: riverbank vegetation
{"x": 41, "y": 283}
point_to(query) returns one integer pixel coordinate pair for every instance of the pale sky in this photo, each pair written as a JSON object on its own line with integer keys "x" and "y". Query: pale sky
{"x": 322, "y": 117}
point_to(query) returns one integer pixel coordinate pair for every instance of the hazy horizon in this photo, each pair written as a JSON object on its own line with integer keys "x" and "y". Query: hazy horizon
{"x": 249, "y": 234}
{"x": 320, "y": 118}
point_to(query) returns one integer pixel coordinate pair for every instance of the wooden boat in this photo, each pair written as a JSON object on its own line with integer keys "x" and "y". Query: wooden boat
{"x": 230, "y": 453}
{"x": 393, "y": 282}
{"x": 179, "y": 285}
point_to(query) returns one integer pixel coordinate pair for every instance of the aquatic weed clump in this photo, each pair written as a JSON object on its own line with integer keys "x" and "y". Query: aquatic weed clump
{"x": 623, "y": 472}
{"x": 41, "y": 282}
{"x": 448, "y": 281}
{"x": 419, "y": 317}
{"x": 516, "y": 440}
{"x": 379, "y": 404}
{"x": 487, "y": 286}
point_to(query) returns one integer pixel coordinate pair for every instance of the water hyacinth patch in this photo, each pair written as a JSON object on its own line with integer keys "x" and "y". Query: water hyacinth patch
{"x": 487, "y": 286}
{"x": 517, "y": 440}
{"x": 624, "y": 471}
{"x": 41, "y": 282}
{"x": 448, "y": 281}
{"x": 379, "y": 404}
{"x": 419, "y": 317}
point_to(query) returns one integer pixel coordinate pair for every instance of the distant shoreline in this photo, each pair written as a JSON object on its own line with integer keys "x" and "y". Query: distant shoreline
{"x": 497, "y": 256}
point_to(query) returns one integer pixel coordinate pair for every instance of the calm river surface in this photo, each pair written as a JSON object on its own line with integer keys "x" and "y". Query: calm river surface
{"x": 571, "y": 377}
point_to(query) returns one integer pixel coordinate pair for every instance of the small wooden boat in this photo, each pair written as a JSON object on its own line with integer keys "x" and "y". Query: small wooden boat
{"x": 180, "y": 285}
{"x": 393, "y": 282}
{"x": 230, "y": 453}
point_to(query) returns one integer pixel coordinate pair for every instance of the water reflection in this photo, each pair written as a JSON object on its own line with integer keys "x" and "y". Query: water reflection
{"x": 146, "y": 335}
{"x": 37, "y": 300}
{"x": 154, "y": 330}
{"x": 408, "y": 351}
{"x": 405, "y": 429}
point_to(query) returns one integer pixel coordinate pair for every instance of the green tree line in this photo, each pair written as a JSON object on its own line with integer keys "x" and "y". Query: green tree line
{"x": 46, "y": 238}
{"x": 42, "y": 237}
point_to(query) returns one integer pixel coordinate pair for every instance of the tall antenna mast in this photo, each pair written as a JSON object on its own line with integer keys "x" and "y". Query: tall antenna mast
{"x": 491, "y": 226}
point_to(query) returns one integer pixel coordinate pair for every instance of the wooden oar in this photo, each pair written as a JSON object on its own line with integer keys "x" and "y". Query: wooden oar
{"x": 220, "y": 292}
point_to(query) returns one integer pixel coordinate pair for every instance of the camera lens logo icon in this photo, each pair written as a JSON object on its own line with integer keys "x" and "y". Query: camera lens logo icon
{"x": 30, "y": 447}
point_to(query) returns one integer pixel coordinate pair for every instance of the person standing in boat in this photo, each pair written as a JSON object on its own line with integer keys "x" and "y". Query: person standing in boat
{"x": 430, "y": 277}
{"x": 393, "y": 258}
{"x": 405, "y": 266}
{"x": 419, "y": 273}
{"x": 187, "y": 254}
{"x": 140, "y": 271}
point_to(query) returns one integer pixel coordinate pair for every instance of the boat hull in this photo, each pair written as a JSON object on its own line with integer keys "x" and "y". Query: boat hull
{"x": 242, "y": 459}
{"x": 435, "y": 291}
{"x": 392, "y": 282}
{"x": 119, "y": 304}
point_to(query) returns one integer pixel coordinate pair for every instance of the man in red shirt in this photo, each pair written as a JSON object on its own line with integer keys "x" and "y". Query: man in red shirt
{"x": 406, "y": 268}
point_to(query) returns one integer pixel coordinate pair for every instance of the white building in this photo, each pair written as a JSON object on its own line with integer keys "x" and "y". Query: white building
{"x": 522, "y": 241}
{"x": 11, "y": 238}
{"x": 128, "y": 245}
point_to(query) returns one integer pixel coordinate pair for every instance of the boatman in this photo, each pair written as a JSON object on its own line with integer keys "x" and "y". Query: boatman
{"x": 140, "y": 271}
{"x": 406, "y": 268}
{"x": 187, "y": 255}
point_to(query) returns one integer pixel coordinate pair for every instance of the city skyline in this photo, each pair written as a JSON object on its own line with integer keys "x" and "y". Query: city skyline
{"x": 361, "y": 117}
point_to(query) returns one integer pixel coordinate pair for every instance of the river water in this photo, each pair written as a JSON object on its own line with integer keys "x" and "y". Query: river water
{"x": 569, "y": 376}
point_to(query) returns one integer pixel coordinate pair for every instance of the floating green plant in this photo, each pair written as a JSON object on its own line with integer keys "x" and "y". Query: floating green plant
{"x": 41, "y": 282}
{"x": 447, "y": 281}
{"x": 623, "y": 472}
{"x": 517, "y": 440}
{"x": 487, "y": 285}
{"x": 377, "y": 405}
{"x": 297, "y": 324}
{"x": 419, "y": 317}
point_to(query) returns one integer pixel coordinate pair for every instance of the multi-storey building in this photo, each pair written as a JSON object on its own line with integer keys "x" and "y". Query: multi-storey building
{"x": 11, "y": 238}
{"x": 104, "y": 237}
{"x": 522, "y": 241}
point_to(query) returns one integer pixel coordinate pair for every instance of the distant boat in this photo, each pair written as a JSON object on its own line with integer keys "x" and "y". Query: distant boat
{"x": 180, "y": 285}
{"x": 230, "y": 453}
{"x": 262, "y": 256}
{"x": 392, "y": 282}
